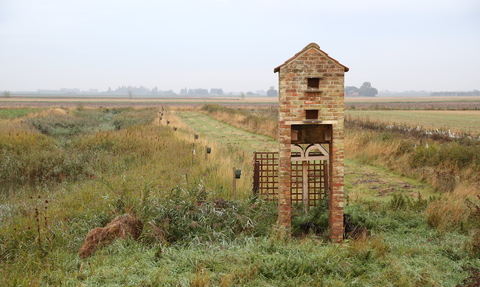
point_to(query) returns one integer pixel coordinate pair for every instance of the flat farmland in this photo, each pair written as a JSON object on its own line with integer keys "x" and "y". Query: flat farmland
{"x": 118, "y": 102}
{"x": 456, "y": 121}
{"x": 413, "y": 103}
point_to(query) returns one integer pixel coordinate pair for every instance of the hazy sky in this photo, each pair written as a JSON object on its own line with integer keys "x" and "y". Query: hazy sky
{"x": 235, "y": 44}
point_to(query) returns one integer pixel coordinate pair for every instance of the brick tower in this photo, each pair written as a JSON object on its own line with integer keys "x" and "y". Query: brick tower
{"x": 311, "y": 99}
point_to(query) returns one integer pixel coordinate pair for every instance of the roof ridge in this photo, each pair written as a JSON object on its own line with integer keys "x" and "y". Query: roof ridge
{"x": 309, "y": 46}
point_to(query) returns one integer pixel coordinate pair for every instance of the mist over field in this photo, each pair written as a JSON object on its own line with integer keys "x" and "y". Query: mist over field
{"x": 235, "y": 45}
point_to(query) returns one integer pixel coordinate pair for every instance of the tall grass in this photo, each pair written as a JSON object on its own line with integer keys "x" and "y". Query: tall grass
{"x": 450, "y": 166}
{"x": 444, "y": 163}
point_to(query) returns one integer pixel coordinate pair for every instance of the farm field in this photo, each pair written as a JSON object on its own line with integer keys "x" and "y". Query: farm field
{"x": 97, "y": 164}
{"x": 406, "y": 99}
{"x": 413, "y": 103}
{"x": 98, "y": 102}
{"x": 459, "y": 121}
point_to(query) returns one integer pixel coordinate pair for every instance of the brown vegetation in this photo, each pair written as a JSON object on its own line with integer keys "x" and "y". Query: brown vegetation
{"x": 120, "y": 227}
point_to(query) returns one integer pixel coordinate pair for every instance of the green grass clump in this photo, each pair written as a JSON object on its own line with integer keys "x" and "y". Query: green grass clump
{"x": 17, "y": 113}
{"x": 454, "y": 154}
{"x": 183, "y": 218}
{"x": 63, "y": 125}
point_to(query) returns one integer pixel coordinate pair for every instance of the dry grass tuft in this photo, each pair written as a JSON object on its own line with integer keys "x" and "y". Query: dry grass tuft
{"x": 451, "y": 210}
{"x": 120, "y": 227}
{"x": 53, "y": 111}
{"x": 202, "y": 278}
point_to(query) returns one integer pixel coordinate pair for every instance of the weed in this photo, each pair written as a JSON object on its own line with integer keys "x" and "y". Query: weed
{"x": 403, "y": 202}
{"x": 45, "y": 235}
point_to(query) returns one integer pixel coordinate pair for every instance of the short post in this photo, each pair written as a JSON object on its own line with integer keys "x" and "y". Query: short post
{"x": 256, "y": 178}
{"x": 305, "y": 187}
{"x": 237, "y": 173}
{"x": 207, "y": 152}
{"x": 193, "y": 153}
{"x": 234, "y": 184}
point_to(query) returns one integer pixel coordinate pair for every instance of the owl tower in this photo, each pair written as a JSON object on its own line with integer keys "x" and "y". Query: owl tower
{"x": 311, "y": 129}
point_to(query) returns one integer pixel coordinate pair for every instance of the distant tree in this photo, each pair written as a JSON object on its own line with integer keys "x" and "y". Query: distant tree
{"x": 167, "y": 93}
{"x": 350, "y": 89}
{"x": 272, "y": 92}
{"x": 198, "y": 92}
{"x": 242, "y": 95}
{"x": 250, "y": 94}
{"x": 261, "y": 93}
{"x": 130, "y": 93}
{"x": 6, "y": 94}
{"x": 366, "y": 90}
{"x": 218, "y": 92}
{"x": 155, "y": 91}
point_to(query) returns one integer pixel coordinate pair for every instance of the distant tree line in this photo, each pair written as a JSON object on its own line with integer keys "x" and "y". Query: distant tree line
{"x": 366, "y": 90}
{"x": 202, "y": 92}
{"x": 455, "y": 94}
{"x": 218, "y": 92}
{"x": 404, "y": 93}
{"x": 132, "y": 91}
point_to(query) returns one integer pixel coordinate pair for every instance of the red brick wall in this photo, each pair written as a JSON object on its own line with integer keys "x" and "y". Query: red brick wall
{"x": 293, "y": 101}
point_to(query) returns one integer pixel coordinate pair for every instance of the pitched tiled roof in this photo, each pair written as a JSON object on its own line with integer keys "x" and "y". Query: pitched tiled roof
{"x": 309, "y": 47}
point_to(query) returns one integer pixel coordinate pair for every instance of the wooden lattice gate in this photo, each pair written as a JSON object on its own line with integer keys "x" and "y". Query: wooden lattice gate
{"x": 309, "y": 178}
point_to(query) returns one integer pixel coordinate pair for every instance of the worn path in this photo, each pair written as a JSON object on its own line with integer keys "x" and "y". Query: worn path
{"x": 226, "y": 134}
{"x": 361, "y": 181}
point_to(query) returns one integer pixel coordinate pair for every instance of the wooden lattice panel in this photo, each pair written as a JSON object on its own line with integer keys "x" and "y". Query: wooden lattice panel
{"x": 266, "y": 172}
{"x": 313, "y": 173}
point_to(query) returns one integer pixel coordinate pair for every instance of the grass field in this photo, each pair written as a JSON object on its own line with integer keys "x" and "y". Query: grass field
{"x": 84, "y": 167}
{"x": 456, "y": 121}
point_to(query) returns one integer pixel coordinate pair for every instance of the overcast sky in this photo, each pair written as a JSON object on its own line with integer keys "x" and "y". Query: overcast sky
{"x": 235, "y": 44}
